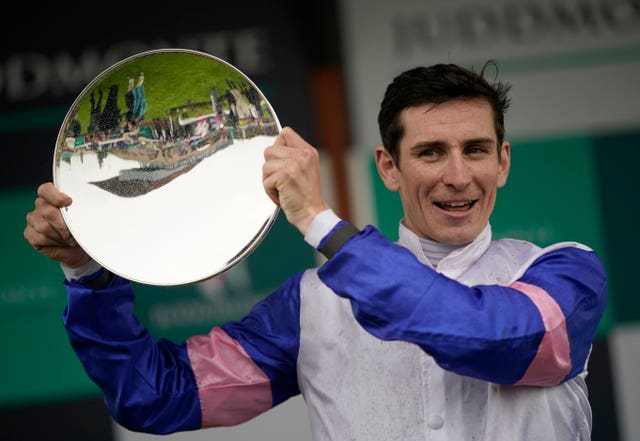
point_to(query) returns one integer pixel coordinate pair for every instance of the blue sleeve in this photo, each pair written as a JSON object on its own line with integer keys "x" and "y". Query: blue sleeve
{"x": 270, "y": 334}
{"x": 489, "y": 332}
{"x": 148, "y": 384}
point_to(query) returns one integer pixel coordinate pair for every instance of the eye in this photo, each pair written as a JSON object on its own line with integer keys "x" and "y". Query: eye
{"x": 476, "y": 149}
{"x": 429, "y": 153}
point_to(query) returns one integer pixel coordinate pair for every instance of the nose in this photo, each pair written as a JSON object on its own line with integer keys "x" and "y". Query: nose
{"x": 456, "y": 173}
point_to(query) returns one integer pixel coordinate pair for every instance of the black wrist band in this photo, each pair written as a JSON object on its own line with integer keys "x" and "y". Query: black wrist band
{"x": 101, "y": 281}
{"x": 337, "y": 239}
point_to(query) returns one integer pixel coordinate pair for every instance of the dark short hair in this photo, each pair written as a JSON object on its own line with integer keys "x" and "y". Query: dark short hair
{"x": 438, "y": 84}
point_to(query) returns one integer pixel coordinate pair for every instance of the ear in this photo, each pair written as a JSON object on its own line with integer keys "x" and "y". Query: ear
{"x": 387, "y": 169}
{"x": 505, "y": 164}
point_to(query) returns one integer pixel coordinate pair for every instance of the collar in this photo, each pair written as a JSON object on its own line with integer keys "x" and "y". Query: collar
{"x": 455, "y": 263}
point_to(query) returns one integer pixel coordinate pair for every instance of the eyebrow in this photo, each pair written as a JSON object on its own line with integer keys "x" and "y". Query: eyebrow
{"x": 481, "y": 141}
{"x": 438, "y": 143}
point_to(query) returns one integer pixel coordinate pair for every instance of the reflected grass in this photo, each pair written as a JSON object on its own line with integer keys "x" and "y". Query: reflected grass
{"x": 171, "y": 80}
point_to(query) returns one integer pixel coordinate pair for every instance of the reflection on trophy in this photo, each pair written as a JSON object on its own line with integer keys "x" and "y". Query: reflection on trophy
{"x": 172, "y": 142}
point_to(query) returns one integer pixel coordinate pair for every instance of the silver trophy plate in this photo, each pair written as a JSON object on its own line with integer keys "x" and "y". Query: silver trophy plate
{"x": 162, "y": 154}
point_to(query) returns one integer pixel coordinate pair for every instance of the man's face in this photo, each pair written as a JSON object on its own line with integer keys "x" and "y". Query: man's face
{"x": 448, "y": 171}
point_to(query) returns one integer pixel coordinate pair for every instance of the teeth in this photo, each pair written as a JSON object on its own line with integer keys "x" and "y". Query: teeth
{"x": 457, "y": 204}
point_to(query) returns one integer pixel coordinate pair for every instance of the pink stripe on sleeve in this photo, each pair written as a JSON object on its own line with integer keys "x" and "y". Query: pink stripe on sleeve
{"x": 553, "y": 360}
{"x": 232, "y": 388}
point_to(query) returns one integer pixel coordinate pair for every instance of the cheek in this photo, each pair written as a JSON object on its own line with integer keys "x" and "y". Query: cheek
{"x": 491, "y": 195}
{"x": 411, "y": 192}
{"x": 491, "y": 180}
{"x": 413, "y": 189}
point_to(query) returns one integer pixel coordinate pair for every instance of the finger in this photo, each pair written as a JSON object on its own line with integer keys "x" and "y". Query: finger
{"x": 39, "y": 231}
{"x": 47, "y": 219}
{"x": 270, "y": 188}
{"x": 39, "y": 239}
{"x": 290, "y": 138}
{"x": 275, "y": 160}
{"x": 47, "y": 244}
{"x": 285, "y": 137}
{"x": 50, "y": 200}
{"x": 52, "y": 195}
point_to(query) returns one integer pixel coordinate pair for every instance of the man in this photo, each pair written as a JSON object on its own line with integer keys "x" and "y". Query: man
{"x": 446, "y": 335}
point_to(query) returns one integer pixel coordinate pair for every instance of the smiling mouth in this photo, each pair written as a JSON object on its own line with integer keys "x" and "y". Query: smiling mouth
{"x": 455, "y": 205}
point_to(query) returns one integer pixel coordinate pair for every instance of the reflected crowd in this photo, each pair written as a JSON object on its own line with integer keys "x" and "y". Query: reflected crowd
{"x": 185, "y": 134}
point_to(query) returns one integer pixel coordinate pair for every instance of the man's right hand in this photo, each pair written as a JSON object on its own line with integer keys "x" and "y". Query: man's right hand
{"x": 47, "y": 231}
{"x": 291, "y": 178}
